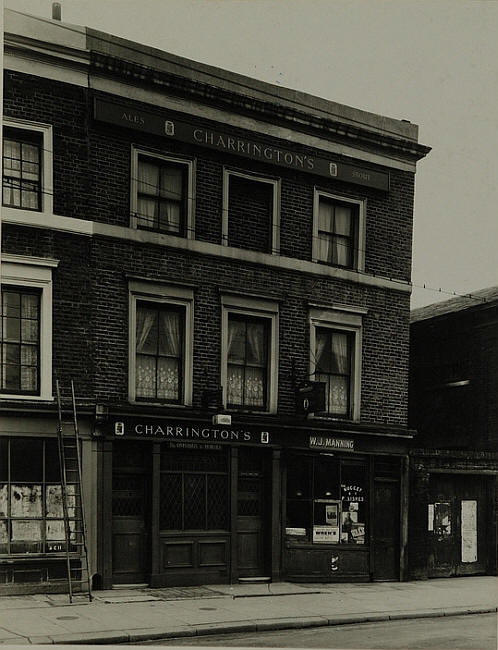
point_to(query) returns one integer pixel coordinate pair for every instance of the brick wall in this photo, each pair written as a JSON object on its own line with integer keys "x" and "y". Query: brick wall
{"x": 92, "y": 181}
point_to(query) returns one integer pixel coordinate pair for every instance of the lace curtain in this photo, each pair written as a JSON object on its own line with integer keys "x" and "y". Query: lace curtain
{"x": 246, "y": 364}
{"x": 332, "y": 367}
{"x": 159, "y": 350}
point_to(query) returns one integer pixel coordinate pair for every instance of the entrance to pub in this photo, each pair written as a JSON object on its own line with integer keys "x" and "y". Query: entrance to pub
{"x": 457, "y": 526}
{"x": 130, "y": 513}
{"x": 252, "y": 513}
{"x": 386, "y": 529}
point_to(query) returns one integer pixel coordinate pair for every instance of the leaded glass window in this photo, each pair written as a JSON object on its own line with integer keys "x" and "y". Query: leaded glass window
{"x": 194, "y": 490}
{"x": 159, "y": 352}
{"x": 20, "y": 338}
{"x": 247, "y": 375}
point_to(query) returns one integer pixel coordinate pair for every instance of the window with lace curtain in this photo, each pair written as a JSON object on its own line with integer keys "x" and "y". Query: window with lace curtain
{"x": 22, "y": 169}
{"x": 335, "y": 357}
{"x": 333, "y": 350}
{"x": 159, "y": 352}
{"x": 338, "y": 231}
{"x": 162, "y": 193}
{"x": 247, "y": 357}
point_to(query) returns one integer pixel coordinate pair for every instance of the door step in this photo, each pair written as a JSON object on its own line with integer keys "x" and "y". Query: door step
{"x": 255, "y": 580}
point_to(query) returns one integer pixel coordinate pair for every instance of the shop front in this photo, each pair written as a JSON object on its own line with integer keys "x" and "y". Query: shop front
{"x": 193, "y": 504}
{"x": 345, "y": 512}
{"x": 189, "y": 504}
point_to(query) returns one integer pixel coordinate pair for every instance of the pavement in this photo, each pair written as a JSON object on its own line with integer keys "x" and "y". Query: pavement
{"x": 134, "y": 615}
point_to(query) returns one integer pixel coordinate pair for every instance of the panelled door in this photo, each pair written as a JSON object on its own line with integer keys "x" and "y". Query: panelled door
{"x": 386, "y": 530}
{"x": 130, "y": 509}
{"x": 251, "y": 514}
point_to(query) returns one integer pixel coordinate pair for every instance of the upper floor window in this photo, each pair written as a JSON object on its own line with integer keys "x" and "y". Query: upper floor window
{"x": 162, "y": 194}
{"x": 159, "y": 342}
{"x": 26, "y": 327}
{"x": 161, "y": 338}
{"x": 247, "y": 377}
{"x": 250, "y": 212}
{"x": 27, "y": 166}
{"x": 336, "y": 358}
{"x": 333, "y": 352}
{"x": 338, "y": 231}
{"x": 249, "y": 365}
{"x": 20, "y": 335}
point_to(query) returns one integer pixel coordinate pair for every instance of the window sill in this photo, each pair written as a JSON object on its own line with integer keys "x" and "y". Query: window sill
{"x": 26, "y": 398}
{"x": 169, "y": 405}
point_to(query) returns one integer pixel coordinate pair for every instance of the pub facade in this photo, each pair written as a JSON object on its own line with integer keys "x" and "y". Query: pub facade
{"x": 223, "y": 269}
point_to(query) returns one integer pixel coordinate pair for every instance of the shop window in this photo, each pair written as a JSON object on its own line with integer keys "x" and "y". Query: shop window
{"x": 338, "y": 231}
{"x": 27, "y": 166}
{"x": 250, "y": 212}
{"x": 162, "y": 194}
{"x": 336, "y": 360}
{"x": 250, "y": 353}
{"x": 326, "y": 500}
{"x": 194, "y": 490}
{"x": 160, "y": 343}
{"x": 26, "y": 328}
{"x": 31, "y": 514}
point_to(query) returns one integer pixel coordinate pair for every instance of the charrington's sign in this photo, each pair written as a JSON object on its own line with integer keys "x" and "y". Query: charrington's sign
{"x": 142, "y": 429}
{"x": 170, "y": 127}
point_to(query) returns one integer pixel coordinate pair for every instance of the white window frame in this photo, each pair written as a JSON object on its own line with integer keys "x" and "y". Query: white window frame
{"x": 34, "y": 273}
{"x": 189, "y": 163}
{"x": 47, "y": 157}
{"x": 340, "y": 320}
{"x": 359, "y": 243}
{"x": 275, "y": 218}
{"x": 165, "y": 294}
{"x": 256, "y": 308}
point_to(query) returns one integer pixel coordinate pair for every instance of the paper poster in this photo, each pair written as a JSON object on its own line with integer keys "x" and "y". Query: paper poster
{"x": 332, "y": 514}
{"x": 26, "y": 501}
{"x": 353, "y": 506}
{"x": 26, "y": 531}
{"x": 3, "y": 500}
{"x": 358, "y": 533}
{"x": 326, "y": 534}
{"x": 430, "y": 514}
{"x": 295, "y": 531}
{"x": 469, "y": 531}
{"x": 4, "y": 535}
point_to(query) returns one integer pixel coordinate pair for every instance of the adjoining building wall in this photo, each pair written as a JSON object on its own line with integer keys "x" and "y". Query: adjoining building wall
{"x": 454, "y": 462}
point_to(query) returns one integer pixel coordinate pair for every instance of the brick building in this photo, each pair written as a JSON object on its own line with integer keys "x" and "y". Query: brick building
{"x": 192, "y": 247}
{"x": 454, "y": 460}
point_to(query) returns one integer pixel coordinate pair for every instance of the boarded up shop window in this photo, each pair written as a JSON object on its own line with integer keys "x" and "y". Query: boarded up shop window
{"x": 30, "y": 497}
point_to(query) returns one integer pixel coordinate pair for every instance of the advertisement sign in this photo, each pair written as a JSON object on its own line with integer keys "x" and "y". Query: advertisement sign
{"x": 326, "y": 534}
{"x": 168, "y": 126}
{"x": 469, "y": 531}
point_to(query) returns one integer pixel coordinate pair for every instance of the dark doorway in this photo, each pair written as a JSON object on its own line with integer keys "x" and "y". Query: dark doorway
{"x": 386, "y": 530}
{"x": 130, "y": 513}
{"x": 251, "y": 513}
{"x": 457, "y": 526}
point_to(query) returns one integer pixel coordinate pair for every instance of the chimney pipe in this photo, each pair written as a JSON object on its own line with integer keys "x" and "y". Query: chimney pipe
{"x": 56, "y": 11}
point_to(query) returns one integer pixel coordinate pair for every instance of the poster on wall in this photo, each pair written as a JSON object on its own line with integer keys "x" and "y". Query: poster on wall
{"x": 430, "y": 522}
{"x": 469, "y": 531}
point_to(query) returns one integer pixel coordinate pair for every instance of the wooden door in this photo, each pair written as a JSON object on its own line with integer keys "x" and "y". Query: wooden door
{"x": 130, "y": 504}
{"x": 386, "y": 530}
{"x": 251, "y": 513}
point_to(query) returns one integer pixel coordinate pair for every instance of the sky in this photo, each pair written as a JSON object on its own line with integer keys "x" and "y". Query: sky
{"x": 432, "y": 62}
